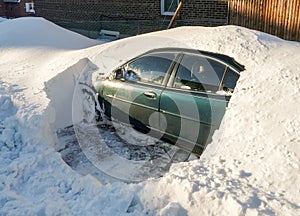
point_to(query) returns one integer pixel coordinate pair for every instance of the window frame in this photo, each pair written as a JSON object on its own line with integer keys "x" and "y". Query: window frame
{"x": 29, "y": 7}
{"x": 163, "y": 9}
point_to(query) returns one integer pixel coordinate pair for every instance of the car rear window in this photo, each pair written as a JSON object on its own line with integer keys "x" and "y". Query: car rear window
{"x": 230, "y": 80}
{"x": 197, "y": 73}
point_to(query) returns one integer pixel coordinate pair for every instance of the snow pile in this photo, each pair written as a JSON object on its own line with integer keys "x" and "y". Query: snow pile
{"x": 39, "y": 32}
{"x": 253, "y": 164}
{"x": 251, "y": 168}
{"x": 34, "y": 180}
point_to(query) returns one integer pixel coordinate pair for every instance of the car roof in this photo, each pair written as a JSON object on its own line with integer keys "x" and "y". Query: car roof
{"x": 224, "y": 58}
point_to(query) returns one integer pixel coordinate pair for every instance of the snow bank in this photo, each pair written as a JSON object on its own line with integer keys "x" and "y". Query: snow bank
{"x": 34, "y": 180}
{"x": 38, "y": 32}
{"x": 253, "y": 163}
{"x": 251, "y": 168}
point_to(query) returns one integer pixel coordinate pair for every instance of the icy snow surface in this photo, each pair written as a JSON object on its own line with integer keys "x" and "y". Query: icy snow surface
{"x": 251, "y": 168}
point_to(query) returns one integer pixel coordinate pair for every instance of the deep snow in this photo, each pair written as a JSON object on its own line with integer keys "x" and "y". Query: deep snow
{"x": 251, "y": 168}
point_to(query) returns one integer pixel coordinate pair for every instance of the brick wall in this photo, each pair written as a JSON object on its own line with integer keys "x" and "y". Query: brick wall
{"x": 206, "y": 12}
{"x": 137, "y": 16}
{"x": 89, "y": 10}
{"x": 2, "y": 11}
{"x": 14, "y": 10}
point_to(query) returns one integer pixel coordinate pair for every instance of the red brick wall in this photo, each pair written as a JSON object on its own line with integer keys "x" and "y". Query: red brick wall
{"x": 2, "y": 12}
{"x": 209, "y": 11}
{"x": 66, "y": 10}
{"x": 99, "y": 10}
{"x": 13, "y": 10}
{"x": 129, "y": 17}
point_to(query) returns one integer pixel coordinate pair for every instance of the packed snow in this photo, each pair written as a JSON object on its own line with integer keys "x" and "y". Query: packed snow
{"x": 251, "y": 167}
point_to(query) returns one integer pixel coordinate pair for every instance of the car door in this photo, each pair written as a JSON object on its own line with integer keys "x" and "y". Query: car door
{"x": 190, "y": 103}
{"x": 134, "y": 94}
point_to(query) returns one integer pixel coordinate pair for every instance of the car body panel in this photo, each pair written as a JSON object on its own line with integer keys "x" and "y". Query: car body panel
{"x": 194, "y": 122}
{"x": 180, "y": 114}
{"x": 130, "y": 104}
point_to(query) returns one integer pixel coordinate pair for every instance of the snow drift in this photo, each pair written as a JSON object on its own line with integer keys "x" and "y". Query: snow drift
{"x": 39, "y": 32}
{"x": 251, "y": 168}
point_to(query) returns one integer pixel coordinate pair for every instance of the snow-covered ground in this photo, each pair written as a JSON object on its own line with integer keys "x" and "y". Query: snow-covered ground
{"x": 251, "y": 168}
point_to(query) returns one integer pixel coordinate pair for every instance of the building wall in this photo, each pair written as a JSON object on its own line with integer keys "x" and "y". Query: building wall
{"x": 99, "y": 10}
{"x": 209, "y": 12}
{"x": 131, "y": 15}
{"x": 2, "y": 12}
{"x": 13, "y": 10}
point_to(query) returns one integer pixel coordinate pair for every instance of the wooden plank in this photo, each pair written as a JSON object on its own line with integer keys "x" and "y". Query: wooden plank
{"x": 288, "y": 20}
{"x": 245, "y": 12}
{"x": 232, "y": 12}
{"x": 272, "y": 20}
{"x": 294, "y": 14}
{"x": 254, "y": 14}
{"x": 239, "y": 14}
{"x": 268, "y": 16}
{"x": 278, "y": 17}
{"x": 277, "y": 23}
{"x": 293, "y": 19}
{"x": 284, "y": 18}
{"x": 236, "y": 11}
{"x": 297, "y": 25}
{"x": 258, "y": 14}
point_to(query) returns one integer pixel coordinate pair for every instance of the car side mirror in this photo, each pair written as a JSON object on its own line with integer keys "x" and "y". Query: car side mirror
{"x": 119, "y": 74}
{"x": 115, "y": 75}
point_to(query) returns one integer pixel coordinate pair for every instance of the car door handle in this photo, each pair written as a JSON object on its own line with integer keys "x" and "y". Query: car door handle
{"x": 150, "y": 94}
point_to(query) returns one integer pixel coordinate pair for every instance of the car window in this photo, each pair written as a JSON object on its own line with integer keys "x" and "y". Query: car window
{"x": 197, "y": 73}
{"x": 150, "y": 68}
{"x": 230, "y": 80}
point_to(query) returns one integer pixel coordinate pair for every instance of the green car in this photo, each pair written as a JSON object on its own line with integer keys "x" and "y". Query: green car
{"x": 175, "y": 95}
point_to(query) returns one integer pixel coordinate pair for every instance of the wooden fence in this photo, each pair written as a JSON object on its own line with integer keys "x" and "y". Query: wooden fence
{"x": 277, "y": 17}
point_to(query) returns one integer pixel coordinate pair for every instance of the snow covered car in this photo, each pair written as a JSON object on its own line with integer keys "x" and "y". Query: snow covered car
{"x": 176, "y": 95}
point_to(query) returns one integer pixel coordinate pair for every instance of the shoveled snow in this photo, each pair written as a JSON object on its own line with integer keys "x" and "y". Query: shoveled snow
{"x": 251, "y": 168}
